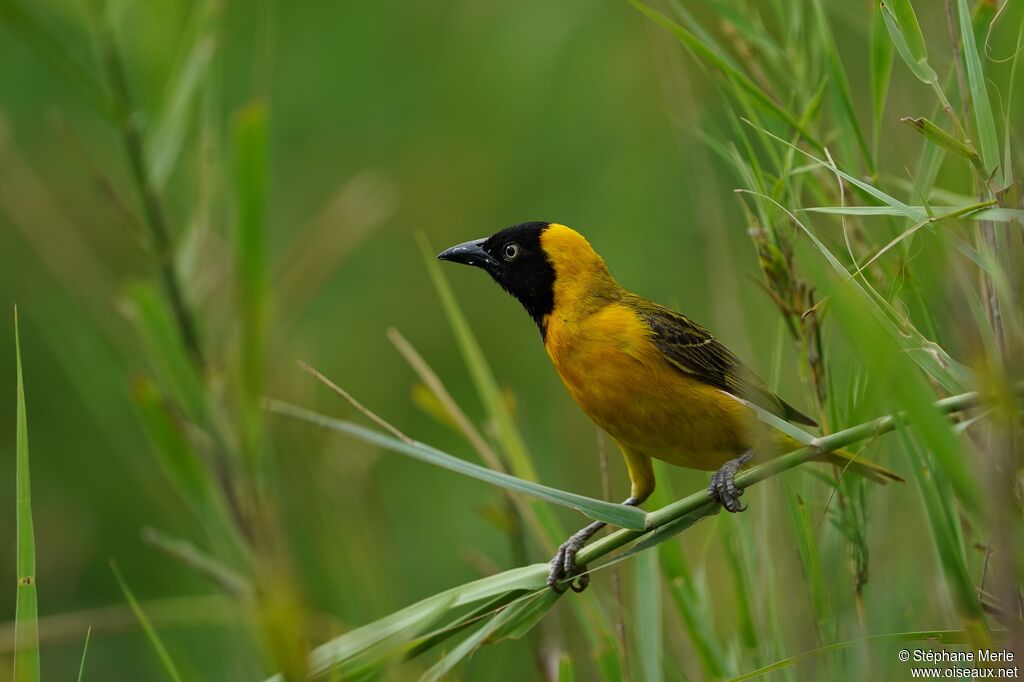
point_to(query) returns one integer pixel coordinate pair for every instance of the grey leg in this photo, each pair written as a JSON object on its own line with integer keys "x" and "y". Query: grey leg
{"x": 563, "y": 565}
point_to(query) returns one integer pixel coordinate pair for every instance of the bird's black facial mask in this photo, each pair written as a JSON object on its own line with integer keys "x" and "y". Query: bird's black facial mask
{"x": 516, "y": 260}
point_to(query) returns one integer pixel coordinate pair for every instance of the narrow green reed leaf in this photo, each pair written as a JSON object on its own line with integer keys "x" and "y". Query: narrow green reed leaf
{"x": 647, "y": 623}
{"x": 714, "y": 59}
{"x": 985, "y": 122}
{"x": 566, "y": 669}
{"x": 417, "y": 616}
{"x": 839, "y": 81}
{"x": 609, "y": 512}
{"x": 689, "y": 595}
{"x": 26, "y": 618}
{"x": 510, "y": 622}
{"x": 251, "y": 266}
{"x": 945, "y": 140}
{"x": 154, "y": 637}
{"x": 881, "y": 70}
{"x": 85, "y": 651}
{"x": 906, "y": 35}
{"x": 165, "y": 351}
{"x": 467, "y": 646}
{"x": 973, "y": 212}
{"x": 164, "y": 144}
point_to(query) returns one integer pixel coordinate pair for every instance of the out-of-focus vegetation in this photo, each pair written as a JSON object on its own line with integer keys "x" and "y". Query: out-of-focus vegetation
{"x": 194, "y": 196}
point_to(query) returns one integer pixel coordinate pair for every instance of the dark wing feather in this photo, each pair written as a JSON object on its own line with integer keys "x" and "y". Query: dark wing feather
{"x": 691, "y": 349}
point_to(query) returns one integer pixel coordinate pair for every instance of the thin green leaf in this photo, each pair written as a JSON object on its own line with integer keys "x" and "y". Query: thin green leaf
{"x": 147, "y": 626}
{"x": 167, "y": 355}
{"x": 810, "y": 558}
{"x": 906, "y": 35}
{"x": 740, "y": 79}
{"x": 250, "y": 266}
{"x": 841, "y": 84}
{"x": 647, "y": 620}
{"x": 420, "y": 614}
{"x": 85, "y": 651}
{"x": 689, "y": 596}
{"x": 881, "y": 70}
{"x": 986, "y": 125}
{"x": 163, "y": 145}
{"x": 26, "y": 614}
{"x": 615, "y": 514}
{"x": 199, "y": 561}
{"x": 945, "y": 140}
{"x": 467, "y": 646}
{"x": 994, "y": 214}
{"x": 566, "y": 669}
{"x": 177, "y": 458}
{"x": 914, "y": 228}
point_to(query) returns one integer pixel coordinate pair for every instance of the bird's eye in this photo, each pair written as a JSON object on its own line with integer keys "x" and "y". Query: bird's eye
{"x": 511, "y": 252}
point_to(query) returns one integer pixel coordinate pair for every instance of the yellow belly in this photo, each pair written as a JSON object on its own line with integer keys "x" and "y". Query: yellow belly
{"x": 622, "y": 382}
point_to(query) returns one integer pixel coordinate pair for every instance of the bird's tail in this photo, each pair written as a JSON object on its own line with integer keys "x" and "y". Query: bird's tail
{"x": 849, "y": 462}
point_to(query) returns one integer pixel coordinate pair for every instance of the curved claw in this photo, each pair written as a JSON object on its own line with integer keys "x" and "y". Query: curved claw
{"x": 563, "y": 565}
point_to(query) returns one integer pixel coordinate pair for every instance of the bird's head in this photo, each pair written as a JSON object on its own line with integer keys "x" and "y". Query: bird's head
{"x": 535, "y": 262}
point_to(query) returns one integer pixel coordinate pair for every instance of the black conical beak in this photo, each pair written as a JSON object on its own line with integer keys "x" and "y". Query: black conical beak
{"x": 469, "y": 253}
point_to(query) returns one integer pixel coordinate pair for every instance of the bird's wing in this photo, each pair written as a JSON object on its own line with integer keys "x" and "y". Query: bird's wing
{"x": 693, "y": 350}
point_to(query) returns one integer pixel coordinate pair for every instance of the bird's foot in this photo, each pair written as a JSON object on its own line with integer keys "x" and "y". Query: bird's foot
{"x": 563, "y": 565}
{"x": 723, "y": 486}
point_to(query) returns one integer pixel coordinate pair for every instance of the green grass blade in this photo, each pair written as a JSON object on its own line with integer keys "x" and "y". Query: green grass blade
{"x": 163, "y": 145}
{"x": 985, "y": 122}
{"x": 166, "y": 352}
{"x": 734, "y": 75}
{"x": 940, "y": 137}
{"x": 615, "y": 514}
{"x": 26, "y": 618}
{"x": 179, "y": 462}
{"x": 566, "y": 669}
{"x": 511, "y": 622}
{"x": 443, "y": 667}
{"x": 250, "y": 268}
{"x": 881, "y": 71}
{"x": 647, "y": 620}
{"x": 973, "y": 212}
{"x": 147, "y": 626}
{"x": 85, "y": 651}
{"x": 345, "y": 647}
{"x": 906, "y": 35}
{"x": 841, "y": 84}
{"x": 810, "y": 558}
{"x": 689, "y": 596}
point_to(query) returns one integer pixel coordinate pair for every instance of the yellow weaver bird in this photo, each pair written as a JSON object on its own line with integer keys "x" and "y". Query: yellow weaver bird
{"x": 655, "y": 381}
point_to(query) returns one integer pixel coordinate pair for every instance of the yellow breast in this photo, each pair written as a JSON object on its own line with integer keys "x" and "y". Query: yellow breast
{"x": 614, "y": 372}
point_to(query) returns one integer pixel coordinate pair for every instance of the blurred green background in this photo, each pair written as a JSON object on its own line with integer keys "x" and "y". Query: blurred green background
{"x": 386, "y": 119}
